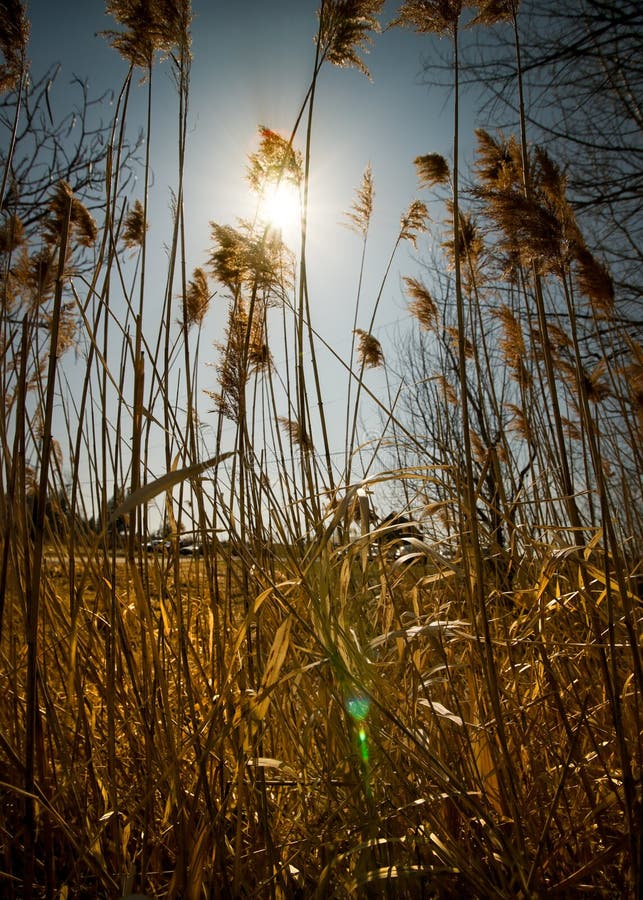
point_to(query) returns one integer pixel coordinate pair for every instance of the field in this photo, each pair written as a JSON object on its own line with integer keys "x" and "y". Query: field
{"x": 224, "y": 672}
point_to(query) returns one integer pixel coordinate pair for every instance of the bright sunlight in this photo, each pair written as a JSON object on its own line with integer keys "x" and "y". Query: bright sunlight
{"x": 279, "y": 207}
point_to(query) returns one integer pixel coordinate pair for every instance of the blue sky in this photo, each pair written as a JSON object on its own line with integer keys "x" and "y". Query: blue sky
{"x": 252, "y": 63}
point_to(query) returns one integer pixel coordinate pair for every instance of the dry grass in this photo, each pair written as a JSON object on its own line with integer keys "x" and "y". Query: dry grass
{"x": 312, "y": 706}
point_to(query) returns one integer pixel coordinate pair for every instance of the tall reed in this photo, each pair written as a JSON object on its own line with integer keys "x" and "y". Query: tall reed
{"x": 277, "y": 695}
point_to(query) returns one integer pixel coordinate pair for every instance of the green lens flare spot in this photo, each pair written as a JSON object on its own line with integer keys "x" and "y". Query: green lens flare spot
{"x": 363, "y": 744}
{"x": 358, "y": 708}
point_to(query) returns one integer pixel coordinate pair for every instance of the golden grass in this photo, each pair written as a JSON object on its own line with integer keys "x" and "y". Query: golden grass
{"x": 450, "y": 709}
{"x": 200, "y": 774}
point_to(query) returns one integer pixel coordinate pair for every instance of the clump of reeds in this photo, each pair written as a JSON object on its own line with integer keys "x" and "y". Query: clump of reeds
{"x": 289, "y": 692}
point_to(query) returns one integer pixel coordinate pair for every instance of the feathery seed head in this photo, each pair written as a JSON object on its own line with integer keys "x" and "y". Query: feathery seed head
{"x": 558, "y": 338}
{"x": 82, "y": 225}
{"x": 413, "y": 221}
{"x": 422, "y": 304}
{"x": 14, "y": 34}
{"x": 512, "y": 342}
{"x": 359, "y": 215}
{"x": 259, "y": 356}
{"x": 491, "y": 12}
{"x": 478, "y": 447}
{"x": 274, "y": 161}
{"x": 135, "y": 226}
{"x": 470, "y": 244}
{"x": 571, "y": 429}
{"x": 596, "y": 388}
{"x": 448, "y": 391}
{"x": 197, "y": 298}
{"x": 232, "y": 369}
{"x": 432, "y": 169}
{"x": 344, "y": 31}
{"x": 430, "y": 16}
{"x": 498, "y": 161}
{"x": 369, "y": 349}
{"x": 149, "y": 26}
{"x": 37, "y": 273}
{"x": 241, "y": 258}
{"x": 11, "y": 234}
{"x": 297, "y": 434}
{"x": 594, "y": 280}
{"x": 633, "y": 374}
{"x": 518, "y": 422}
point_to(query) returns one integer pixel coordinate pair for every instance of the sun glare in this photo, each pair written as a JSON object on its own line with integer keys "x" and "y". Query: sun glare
{"x": 280, "y": 208}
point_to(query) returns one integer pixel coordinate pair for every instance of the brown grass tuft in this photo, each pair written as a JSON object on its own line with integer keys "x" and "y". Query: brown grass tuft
{"x": 344, "y": 31}
{"x": 369, "y": 349}
{"x": 422, "y": 304}
{"x": 359, "y": 215}
{"x": 135, "y": 226}
{"x": 82, "y": 224}
{"x": 14, "y": 34}
{"x": 413, "y": 221}
{"x": 273, "y": 161}
{"x": 594, "y": 280}
{"x": 432, "y": 169}
{"x": 429, "y": 16}
{"x": 512, "y": 343}
{"x": 149, "y": 26}
{"x": 490, "y": 12}
{"x": 197, "y": 298}
{"x": 518, "y": 422}
{"x": 11, "y": 234}
{"x": 297, "y": 433}
{"x": 498, "y": 161}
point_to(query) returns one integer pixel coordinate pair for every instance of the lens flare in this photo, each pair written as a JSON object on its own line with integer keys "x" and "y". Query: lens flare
{"x": 363, "y": 744}
{"x": 279, "y": 207}
{"x": 358, "y": 707}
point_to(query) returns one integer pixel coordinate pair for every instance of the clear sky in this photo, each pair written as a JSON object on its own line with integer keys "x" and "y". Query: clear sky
{"x": 252, "y": 63}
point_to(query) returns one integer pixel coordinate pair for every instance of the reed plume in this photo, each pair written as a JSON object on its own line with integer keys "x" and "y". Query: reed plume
{"x": 633, "y": 374}
{"x": 259, "y": 356}
{"x": 82, "y": 224}
{"x": 491, "y": 12}
{"x": 454, "y": 334}
{"x": 241, "y": 258}
{"x": 345, "y": 31}
{"x": 34, "y": 274}
{"x": 430, "y": 16}
{"x": 596, "y": 388}
{"x": 134, "y": 226}
{"x": 274, "y": 161}
{"x": 448, "y": 391}
{"x": 413, "y": 222}
{"x": 197, "y": 298}
{"x": 232, "y": 368}
{"x": 498, "y": 162}
{"x": 12, "y": 234}
{"x": 14, "y": 35}
{"x": 512, "y": 343}
{"x": 422, "y": 304}
{"x": 297, "y": 433}
{"x": 369, "y": 349}
{"x": 518, "y": 422}
{"x": 539, "y": 226}
{"x": 149, "y": 26}
{"x": 432, "y": 169}
{"x": 470, "y": 245}
{"x": 594, "y": 280}
{"x": 359, "y": 215}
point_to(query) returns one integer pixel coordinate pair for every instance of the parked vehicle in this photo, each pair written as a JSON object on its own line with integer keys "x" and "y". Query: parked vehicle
{"x": 190, "y": 547}
{"x": 158, "y": 545}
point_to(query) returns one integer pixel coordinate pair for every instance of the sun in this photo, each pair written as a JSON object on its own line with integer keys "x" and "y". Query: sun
{"x": 279, "y": 208}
